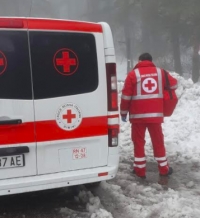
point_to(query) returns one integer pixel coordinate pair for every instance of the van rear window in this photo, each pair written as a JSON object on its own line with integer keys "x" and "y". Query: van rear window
{"x": 63, "y": 63}
{"x": 15, "y": 76}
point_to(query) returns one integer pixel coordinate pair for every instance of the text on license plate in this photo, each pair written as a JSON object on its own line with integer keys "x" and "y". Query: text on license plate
{"x": 12, "y": 161}
{"x": 79, "y": 153}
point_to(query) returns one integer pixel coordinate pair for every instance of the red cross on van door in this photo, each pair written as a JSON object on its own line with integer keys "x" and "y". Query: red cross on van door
{"x": 66, "y": 62}
{"x": 149, "y": 85}
{"x": 3, "y": 63}
{"x": 69, "y": 116}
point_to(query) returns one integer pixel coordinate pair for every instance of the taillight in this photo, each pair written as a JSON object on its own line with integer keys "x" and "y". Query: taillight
{"x": 112, "y": 87}
{"x": 11, "y": 23}
{"x": 103, "y": 174}
{"x": 113, "y": 137}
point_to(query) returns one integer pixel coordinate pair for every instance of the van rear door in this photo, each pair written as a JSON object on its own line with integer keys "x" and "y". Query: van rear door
{"x": 17, "y": 139}
{"x": 70, "y": 95}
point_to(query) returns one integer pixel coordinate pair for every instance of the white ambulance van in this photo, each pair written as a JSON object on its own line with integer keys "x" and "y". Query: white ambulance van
{"x": 59, "y": 120}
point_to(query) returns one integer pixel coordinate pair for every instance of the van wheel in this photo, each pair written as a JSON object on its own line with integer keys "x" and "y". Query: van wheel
{"x": 92, "y": 185}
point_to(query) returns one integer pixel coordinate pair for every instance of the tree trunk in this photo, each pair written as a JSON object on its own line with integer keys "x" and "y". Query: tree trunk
{"x": 145, "y": 42}
{"x": 128, "y": 43}
{"x": 176, "y": 51}
{"x": 195, "y": 60}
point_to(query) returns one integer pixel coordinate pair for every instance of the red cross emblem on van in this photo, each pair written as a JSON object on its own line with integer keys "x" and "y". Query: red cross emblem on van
{"x": 69, "y": 116}
{"x": 66, "y": 62}
{"x": 3, "y": 62}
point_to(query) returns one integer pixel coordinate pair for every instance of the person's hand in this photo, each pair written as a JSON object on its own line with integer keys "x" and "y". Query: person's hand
{"x": 123, "y": 119}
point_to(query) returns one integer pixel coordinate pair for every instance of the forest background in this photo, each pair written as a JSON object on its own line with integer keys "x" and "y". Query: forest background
{"x": 168, "y": 29}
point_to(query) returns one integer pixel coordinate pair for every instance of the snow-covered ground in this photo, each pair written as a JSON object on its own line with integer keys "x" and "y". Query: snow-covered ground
{"x": 129, "y": 197}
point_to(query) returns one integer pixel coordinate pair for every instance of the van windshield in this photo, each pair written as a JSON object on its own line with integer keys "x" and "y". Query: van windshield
{"x": 63, "y": 63}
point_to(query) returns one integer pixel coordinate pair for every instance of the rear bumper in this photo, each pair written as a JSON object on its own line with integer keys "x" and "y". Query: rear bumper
{"x": 56, "y": 180}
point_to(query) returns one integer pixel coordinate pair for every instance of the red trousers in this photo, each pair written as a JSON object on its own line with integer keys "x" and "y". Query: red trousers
{"x": 157, "y": 138}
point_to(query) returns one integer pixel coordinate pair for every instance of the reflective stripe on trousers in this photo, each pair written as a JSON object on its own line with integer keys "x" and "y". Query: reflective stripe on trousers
{"x": 149, "y": 115}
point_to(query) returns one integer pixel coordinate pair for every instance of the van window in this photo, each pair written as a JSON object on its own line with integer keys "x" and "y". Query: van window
{"x": 63, "y": 63}
{"x": 15, "y": 76}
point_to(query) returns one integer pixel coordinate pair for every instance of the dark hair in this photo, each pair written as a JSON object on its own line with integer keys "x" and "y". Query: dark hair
{"x": 145, "y": 57}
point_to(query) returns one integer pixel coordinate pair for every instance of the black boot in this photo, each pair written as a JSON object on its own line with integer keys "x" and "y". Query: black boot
{"x": 169, "y": 172}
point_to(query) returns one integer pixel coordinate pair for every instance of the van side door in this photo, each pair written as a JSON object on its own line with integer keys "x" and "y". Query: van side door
{"x": 70, "y": 95}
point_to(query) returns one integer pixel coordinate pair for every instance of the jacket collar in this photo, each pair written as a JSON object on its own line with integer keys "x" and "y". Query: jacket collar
{"x": 144, "y": 64}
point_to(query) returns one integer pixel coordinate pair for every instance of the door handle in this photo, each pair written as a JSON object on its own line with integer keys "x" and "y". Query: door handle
{"x": 10, "y": 122}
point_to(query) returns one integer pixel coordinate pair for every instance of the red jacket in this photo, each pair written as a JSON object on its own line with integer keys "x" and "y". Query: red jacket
{"x": 142, "y": 94}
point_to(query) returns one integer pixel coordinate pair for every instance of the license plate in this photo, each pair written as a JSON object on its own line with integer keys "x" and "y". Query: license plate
{"x": 12, "y": 161}
{"x": 79, "y": 153}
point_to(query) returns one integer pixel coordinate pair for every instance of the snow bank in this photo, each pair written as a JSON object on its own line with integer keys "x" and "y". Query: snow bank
{"x": 128, "y": 197}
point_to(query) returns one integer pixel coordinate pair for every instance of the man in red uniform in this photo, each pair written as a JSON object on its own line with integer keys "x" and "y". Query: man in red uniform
{"x": 142, "y": 98}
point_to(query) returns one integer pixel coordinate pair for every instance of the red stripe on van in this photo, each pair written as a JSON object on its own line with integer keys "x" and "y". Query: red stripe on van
{"x": 49, "y": 131}
{"x": 42, "y": 24}
{"x": 16, "y": 23}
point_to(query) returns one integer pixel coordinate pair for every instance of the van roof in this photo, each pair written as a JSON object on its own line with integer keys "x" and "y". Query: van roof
{"x": 49, "y": 24}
